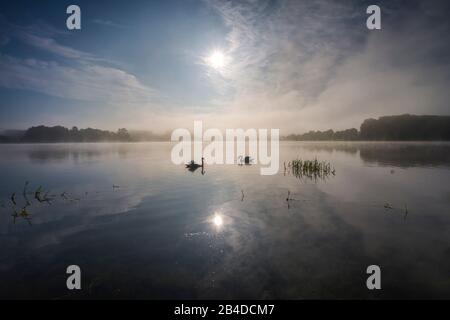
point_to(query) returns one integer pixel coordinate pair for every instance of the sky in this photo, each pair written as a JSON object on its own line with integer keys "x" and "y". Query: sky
{"x": 159, "y": 65}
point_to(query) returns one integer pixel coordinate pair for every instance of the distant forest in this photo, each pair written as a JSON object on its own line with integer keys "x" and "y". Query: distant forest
{"x": 389, "y": 128}
{"x": 62, "y": 134}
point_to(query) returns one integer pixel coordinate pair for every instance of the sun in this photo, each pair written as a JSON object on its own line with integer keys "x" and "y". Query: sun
{"x": 216, "y": 60}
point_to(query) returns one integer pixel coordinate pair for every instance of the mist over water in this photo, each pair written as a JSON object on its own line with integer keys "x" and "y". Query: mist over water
{"x": 141, "y": 227}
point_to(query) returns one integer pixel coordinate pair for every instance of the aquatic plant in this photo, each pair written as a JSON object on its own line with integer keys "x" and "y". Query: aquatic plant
{"x": 37, "y": 194}
{"x": 311, "y": 169}
{"x": 23, "y": 213}
{"x": 13, "y": 198}
{"x": 388, "y": 206}
{"x": 288, "y": 199}
{"x": 42, "y": 198}
{"x": 24, "y": 193}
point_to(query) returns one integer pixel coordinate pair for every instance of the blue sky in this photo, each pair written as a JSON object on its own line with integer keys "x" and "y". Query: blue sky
{"x": 294, "y": 65}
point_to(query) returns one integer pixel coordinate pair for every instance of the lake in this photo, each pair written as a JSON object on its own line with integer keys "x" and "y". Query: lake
{"x": 141, "y": 227}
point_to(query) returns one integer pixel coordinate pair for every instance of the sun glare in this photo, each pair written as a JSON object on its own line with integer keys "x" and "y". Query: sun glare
{"x": 216, "y": 60}
{"x": 218, "y": 221}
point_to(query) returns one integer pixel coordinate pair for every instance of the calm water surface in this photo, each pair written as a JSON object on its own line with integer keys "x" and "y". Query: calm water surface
{"x": 158, "y": 234}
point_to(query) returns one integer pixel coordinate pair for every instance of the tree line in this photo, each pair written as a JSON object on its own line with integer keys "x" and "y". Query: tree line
{"x": 62, "y": 134}
{"x": 388, "y": 128}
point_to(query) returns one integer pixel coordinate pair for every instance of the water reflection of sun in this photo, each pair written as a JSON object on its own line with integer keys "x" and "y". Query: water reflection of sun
{"x": 217, "y": 221}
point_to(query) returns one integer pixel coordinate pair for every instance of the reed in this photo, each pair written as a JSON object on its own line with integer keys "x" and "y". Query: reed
{"x": 24, "y": 193}
{"x": 13, "y": 198}
{"x": 40, "y": 197}
{"x": 20, "y": 208}
{"x": 23, "y": 213}
{"x": 312, "y": 169}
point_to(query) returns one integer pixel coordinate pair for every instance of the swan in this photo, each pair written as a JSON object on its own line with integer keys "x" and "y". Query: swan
{"x": 192, "y": 165}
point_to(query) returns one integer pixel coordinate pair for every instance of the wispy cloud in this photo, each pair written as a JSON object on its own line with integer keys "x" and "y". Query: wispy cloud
{"x": 303, "y": 65}
{"x": 108, "y": 23}
{"x": 74, "y": 75}
{"x": 51, "y": 45}
{"x": 85, "y": 81}
{"x": 287, "y": 46}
